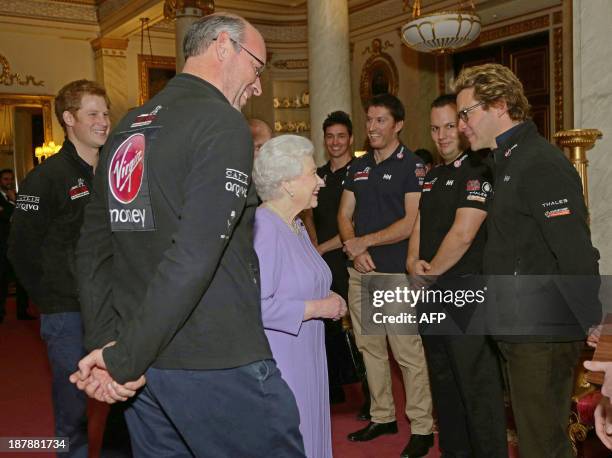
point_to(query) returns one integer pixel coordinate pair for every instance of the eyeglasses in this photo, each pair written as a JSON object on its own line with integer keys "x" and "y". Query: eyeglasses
{"x": 262, "y": 65}
{"x": 463, "y": 114}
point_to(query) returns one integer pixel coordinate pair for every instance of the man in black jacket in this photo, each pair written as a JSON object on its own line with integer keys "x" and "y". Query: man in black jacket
{"x": 44, "y": 233}
{"x": 168, "y": 273}
{"x": 7, "y": 206}
{"x": 543, "y": 295}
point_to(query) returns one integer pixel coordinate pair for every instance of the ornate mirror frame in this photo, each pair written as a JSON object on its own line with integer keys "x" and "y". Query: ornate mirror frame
{"x": 45, "y": 102}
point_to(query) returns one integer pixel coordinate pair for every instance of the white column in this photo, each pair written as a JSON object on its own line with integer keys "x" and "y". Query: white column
{"x": 110, "y": 56}
{"x": 329, "y": 68}
{"x": 593, "y": 109}
{"x": 184, "y": 17}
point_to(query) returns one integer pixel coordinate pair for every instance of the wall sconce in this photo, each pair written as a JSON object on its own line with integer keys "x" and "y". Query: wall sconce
{"x": 46, "y": 150}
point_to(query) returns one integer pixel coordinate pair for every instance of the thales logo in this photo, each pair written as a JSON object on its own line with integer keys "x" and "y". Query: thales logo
{"x": 126, "y": 169}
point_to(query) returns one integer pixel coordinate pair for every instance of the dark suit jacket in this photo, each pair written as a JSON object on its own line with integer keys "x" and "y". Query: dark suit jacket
{"x": 6, "y": 210}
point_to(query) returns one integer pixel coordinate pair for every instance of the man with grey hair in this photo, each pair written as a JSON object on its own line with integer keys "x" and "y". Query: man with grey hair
{"x": 261, "y": 132}
{"x": 168, "y": 274}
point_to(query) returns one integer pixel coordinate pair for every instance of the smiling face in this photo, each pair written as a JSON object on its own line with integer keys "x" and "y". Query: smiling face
{"x": 242, "y": 81}
{"x": 483, "y": 123}
{"x": 338, "y": 141}
{"x": 382, "y": 129}
{"x": 306, "y": 187}
{"x": 445, "y": 132}
{"x": 88, "y": 127}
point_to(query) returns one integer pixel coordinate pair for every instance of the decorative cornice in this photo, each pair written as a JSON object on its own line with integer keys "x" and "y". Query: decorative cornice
{"x": 516, "y": 28}
{"x": 48, "y": 10}
{"x": 8, "y": 79}
{"x": 291, "y": 64}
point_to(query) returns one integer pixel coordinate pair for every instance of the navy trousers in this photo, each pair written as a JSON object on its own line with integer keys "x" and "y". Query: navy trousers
{"x": 248, "y": 411}
{"x": 63, "y": 334}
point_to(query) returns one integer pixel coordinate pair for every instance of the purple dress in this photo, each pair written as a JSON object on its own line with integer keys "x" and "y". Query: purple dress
{"x": 292, "y": 272}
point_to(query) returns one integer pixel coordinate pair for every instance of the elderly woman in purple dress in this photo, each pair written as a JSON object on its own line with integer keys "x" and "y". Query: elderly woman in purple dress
{"x": 295, "y": 282}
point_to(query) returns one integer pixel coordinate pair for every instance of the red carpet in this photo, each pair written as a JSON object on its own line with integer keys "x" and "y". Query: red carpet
{"x": 25, "y": 399}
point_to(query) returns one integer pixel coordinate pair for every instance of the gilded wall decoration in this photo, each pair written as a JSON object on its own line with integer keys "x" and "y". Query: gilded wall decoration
{"x": 154, "y": 72}
{"x": 8, "y": 79}
{"x": 558, "y": 76}
{"x": 379, "y": 74}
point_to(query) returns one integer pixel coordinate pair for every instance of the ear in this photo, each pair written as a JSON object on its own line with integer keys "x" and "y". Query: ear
{"x": 221, "y": 45}
{"x": 68, "y": 118}
{"x": 398, "y": 126}
{"x": 351, "y": 141}
{"x": 500, "y": 107}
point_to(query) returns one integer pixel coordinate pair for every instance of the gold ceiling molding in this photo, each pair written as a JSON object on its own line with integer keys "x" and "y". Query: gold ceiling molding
{"x": 8, "y": 79}
{"x": 291, "y": 64}
{"x": 516, "y": 28}
{"x": 79, "y": 13}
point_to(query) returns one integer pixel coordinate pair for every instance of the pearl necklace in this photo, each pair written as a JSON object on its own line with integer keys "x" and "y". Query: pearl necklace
{"x": 293, "y": 225}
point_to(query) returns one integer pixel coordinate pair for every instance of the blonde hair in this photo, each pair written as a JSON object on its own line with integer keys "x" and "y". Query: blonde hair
{"x": 492, "y": 83}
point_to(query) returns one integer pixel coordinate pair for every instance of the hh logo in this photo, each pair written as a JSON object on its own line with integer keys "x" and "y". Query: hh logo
{"x": 507, "y": 178}
{"x": 387, "y": 176}
{"x": 126, "y": 169}
{"x": 450, "y": 182}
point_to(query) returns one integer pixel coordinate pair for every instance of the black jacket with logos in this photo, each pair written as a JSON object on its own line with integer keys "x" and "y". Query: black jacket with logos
{"x": 166, "y": 262}
{"x": 544, "y": 267}
{"x": 45, "y": 229}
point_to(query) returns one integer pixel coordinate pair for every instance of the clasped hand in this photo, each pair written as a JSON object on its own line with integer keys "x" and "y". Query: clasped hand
{"x": 94, "y": 379}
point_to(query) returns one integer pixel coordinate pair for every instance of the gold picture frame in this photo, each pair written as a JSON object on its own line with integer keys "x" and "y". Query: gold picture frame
{"x": 379, "y": 75}
{"x": 44, "y": 102}
{"x": 155, "y": 72}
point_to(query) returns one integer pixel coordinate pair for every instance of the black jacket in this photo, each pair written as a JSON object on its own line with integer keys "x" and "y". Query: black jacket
{"x": 45, "y": 228}
{"x": 539, "y": 243}
{"x": 166, "y": 259}
{"x": 6, "y": 211}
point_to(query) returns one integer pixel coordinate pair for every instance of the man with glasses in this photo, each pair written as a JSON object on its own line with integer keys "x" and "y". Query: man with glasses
{"x": 536, "y": 226}
{"x": 168, "y": 273}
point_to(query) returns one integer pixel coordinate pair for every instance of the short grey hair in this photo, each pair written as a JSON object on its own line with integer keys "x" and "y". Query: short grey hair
{"x": 204, "y": 31}
{"x": 279, "y": 159}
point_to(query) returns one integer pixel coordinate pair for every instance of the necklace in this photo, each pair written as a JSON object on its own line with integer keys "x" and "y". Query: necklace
{"x": 293, "y": 225}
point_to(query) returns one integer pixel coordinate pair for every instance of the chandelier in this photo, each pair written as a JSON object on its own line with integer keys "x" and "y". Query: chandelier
{"x": 46, "y": 150}
{"x": 441, "y": 32}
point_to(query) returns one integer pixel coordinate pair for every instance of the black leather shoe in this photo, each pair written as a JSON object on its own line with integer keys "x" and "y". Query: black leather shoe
{"x": 25, "y": 316}
{"x": 418, "y": 446}
{"x": 372, "y": 431}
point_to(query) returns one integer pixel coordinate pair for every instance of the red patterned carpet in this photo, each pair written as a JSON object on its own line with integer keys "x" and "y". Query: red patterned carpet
{"x": 25, "y": 399}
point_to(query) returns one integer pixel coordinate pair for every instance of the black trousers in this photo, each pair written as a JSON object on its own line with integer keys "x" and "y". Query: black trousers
{"x": 467, "y": 390}
{"x": 6, "y": 274}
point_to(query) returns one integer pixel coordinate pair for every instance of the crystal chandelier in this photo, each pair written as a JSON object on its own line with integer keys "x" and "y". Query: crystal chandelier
{"x": 441, "y": 32}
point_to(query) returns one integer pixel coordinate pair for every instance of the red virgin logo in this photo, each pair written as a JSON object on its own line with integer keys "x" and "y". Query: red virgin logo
{"x": 126, "y": 169}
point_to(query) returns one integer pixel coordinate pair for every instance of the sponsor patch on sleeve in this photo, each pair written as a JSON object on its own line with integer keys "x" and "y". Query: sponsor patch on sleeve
{"x": 236, "y": 182}
{"x": 472, "y": 185}
{"x": 556, "y": 208}
{"x": 27, "y": 203}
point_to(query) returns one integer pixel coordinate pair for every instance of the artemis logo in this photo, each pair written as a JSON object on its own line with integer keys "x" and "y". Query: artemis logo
{"x": 126, "y": 169}
{"x": 135, "y": 215}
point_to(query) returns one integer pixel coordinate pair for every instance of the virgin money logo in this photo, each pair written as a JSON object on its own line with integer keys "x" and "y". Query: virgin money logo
{"x": 126, "y": 169}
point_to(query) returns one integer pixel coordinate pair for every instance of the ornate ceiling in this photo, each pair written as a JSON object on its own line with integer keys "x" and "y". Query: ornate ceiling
{"x": 279, "y": 20}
